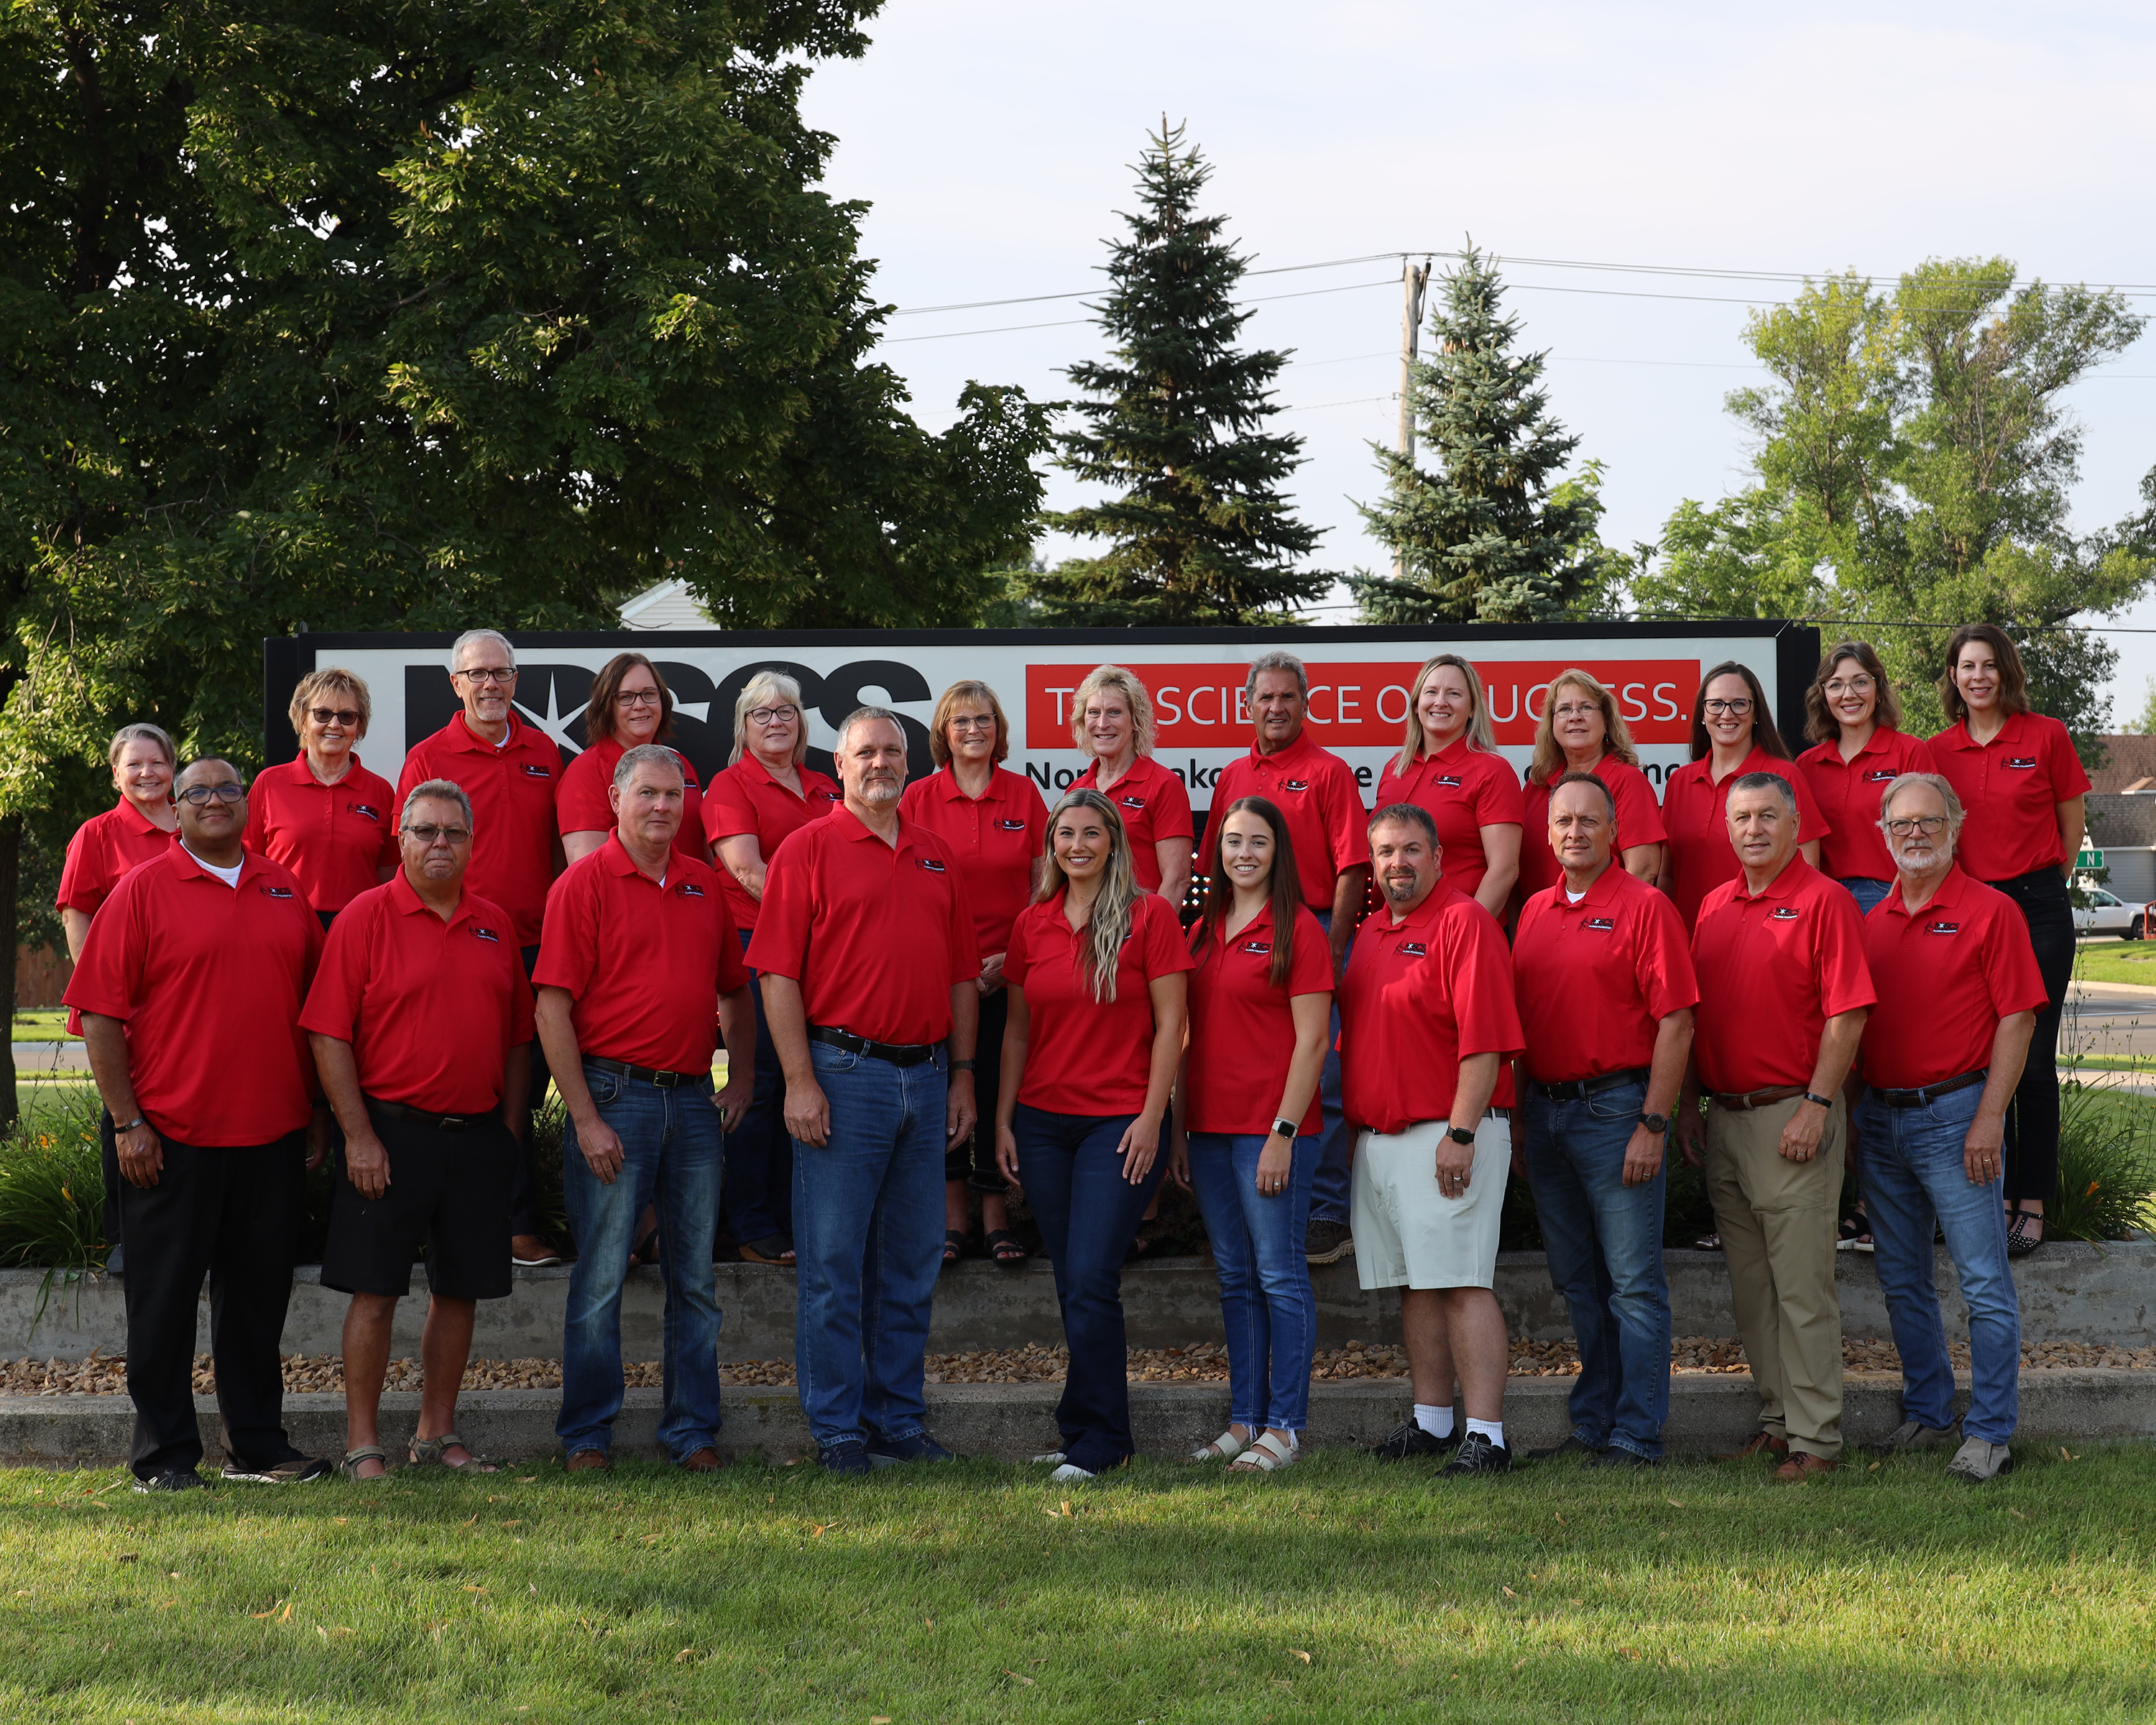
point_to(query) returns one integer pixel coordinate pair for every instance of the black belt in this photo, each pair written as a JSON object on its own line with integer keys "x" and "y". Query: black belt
{"x": 1923, "y": 1098}
{"x": 1752, "y": 1099}
{"x": 1578, "y": 1090}
{"x": 644, "y": 1075}
{"x": 898, "y": 1054}
{"x": 440, "y": 1122}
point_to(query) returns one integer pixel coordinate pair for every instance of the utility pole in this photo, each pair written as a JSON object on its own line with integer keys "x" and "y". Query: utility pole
{"x": 1414, "y": 278}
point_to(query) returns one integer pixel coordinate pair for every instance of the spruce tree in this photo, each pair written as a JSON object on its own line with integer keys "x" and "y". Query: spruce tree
{"x": 1200, "y": 533}
{"x": 1487, "y": 533}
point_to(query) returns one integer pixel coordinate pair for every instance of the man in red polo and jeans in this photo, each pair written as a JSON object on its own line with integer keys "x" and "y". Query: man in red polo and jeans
{"x": 510, "y": 772}
{"x": 1784, "y": 991}
{"x": 420, "y": 1017}
{"x": 189, "y": 988}
{"x": 639, "y": 976}
{"x": 1316, "y": 793}
{"x": 866, "y": 952}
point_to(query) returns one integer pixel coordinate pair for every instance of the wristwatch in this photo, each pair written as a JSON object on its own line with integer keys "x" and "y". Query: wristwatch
{"x": 965, "y": 1065}
{"x": 1284, "y": 1128}
{"x": 1459, "y": 1136}
{"x": 1657, "y": 1124}
{"x": 119, "y": 1127}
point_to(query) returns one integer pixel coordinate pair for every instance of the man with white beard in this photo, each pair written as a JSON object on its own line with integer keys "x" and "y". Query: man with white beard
{"x": 1958, "y": 995}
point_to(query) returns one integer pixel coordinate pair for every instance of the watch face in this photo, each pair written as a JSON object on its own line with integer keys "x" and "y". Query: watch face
{"x": 1459, "y": 1137}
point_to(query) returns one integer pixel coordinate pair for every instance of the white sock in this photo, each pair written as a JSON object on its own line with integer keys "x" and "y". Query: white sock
{"x": 1436, "y": 1421}
{"x": 1493, "y": 1429}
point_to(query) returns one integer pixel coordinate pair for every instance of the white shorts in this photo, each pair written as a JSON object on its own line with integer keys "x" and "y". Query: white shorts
{"x": 1408, "y": 1234}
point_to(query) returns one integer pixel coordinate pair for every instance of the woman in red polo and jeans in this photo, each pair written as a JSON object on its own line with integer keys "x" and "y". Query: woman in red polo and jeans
{"x": 2025, "y": 795}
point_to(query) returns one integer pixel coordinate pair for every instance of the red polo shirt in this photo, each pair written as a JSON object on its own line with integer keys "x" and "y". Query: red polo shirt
{"x": 1946, "y": 977}
{"x": 645, "y": 961}
{"x": 581, "y": 803}
{"x": 1083, "y": 1055}
{"x": 1848, "y": 793}
{"x": 1594, "y": 979}
{"x": 431, "y": 1009}
{"x": 1773, "y": 969}
{"x": 2010, "y": 788}
{"x": 1154, "y": 805}
{"x": 745, "y": 798}
{"x": 1242, "y": 1028}
{"x": 208, "y": 979}
{"x": 992, "y": 839}
{"x": 877, "y": 935}
{"x": 1419, "y": 997}
{"x": 1316, "y": 793}
{"x": 1639, "y": 821}
{"x": 335, "y": 838}
{"x": 1465, "y": 789}
{"x": 1696, "y": 814}
{"x": 104, "y": 847}
{"x": 512, "y": 796}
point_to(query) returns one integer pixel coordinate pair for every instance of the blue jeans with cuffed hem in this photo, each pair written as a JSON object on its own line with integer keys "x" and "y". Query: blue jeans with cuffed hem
{"x": 1266, "y": 1304}
{"x": 1088, "y": 1212}
{"x": 1604, "y": 1243}
{"x": 671, "y": 1157}
{"x": 868, "y": 1241}
{"x": 1914, "y": 1171}
{"x": 759, "y": 1183}
{"x": 1333, "y": 1177}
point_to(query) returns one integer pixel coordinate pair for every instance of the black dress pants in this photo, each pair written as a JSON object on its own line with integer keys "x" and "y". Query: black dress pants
{"x": 233, "y": 1215}
{"x": 2032, "y": 1118}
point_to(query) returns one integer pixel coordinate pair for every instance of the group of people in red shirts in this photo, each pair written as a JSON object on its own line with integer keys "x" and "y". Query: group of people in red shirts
{"x": 933, "y": 991}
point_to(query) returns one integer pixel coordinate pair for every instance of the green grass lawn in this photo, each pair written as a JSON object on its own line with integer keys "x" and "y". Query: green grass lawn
{"x": 41, "y": 1023}
{"x": 2109, "y": 961}
{"x": 1343, "y": 1590}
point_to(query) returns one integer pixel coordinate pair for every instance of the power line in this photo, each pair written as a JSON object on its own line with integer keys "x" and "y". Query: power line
{"x": 1067, "y": 322}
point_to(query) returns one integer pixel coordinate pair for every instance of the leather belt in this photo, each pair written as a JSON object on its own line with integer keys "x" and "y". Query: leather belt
{"x": 1923, "y": 1098}
{"x": 1578, "y": 1090}
{"x": 898, "y": 1054}
{"x": 644, "y": 1075}
{"x": 1756, "y": 1098}
{"x": 440, "y": 1122}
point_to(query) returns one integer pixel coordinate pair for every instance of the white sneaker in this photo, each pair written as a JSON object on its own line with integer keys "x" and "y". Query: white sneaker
{"x": 1070, "y": 1474}
{"x": 1054, "y": 1458}
{"x": 1978, "y": 1460}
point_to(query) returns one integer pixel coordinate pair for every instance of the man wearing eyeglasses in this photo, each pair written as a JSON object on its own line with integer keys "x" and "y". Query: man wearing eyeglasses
{"x": 639, "y": 977}
{"x": 189, "y": 986}
{"x": 509, "y": 769}
{"x": 1783, "y": 989}
{"x": 1959, "y": 994}
{"x": 420, "y": 1019}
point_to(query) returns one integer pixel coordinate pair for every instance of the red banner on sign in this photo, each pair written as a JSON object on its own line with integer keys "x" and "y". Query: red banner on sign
{"x": 1366, "y": 705}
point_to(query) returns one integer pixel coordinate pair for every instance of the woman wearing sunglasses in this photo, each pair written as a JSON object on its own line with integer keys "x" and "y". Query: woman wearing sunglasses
{"x": 321, "y": 815}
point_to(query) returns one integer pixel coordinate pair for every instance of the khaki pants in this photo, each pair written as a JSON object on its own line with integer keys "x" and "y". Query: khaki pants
{"x": 1777, "y": 1220}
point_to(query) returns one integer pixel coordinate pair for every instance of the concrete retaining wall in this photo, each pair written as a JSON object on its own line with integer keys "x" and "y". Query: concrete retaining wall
{"x": 2070, "y": 1291}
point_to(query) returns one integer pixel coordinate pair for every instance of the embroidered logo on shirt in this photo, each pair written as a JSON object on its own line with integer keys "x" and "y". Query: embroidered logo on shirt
{"x": 1599, "y": 925}
{"x": 1942, "y": 928}
{"x": 1880, "y": 775}
{"x": 2021, "y": 763}
{"x": 1010, "y": 826}
{"x": 1260, "y": 947}
{"x": 690, "y": 889}
{"x": 831, "y": 796}
{"x": 1414, "y": 949}
{"x": 1451, "y": 781}
{"x": 365, "y": 810}
{"x": 276, "y": 892}
{"x": 932, "y": 864}
{"x": 485, "y": 934}
{"x": 1131, "y": 802}
{"x": 1295, "y": 784}
{"x": 1784, "y": 913}
{"x": 532, "y": 769}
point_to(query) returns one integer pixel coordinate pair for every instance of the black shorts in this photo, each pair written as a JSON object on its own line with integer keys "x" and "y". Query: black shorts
{"x": 448, "y": 1192}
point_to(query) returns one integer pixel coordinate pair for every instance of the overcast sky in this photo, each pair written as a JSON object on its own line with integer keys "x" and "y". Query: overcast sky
{"x": 994, "y": 142}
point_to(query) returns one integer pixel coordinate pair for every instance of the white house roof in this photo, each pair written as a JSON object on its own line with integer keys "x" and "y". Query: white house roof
{"x": 669, "y": 605}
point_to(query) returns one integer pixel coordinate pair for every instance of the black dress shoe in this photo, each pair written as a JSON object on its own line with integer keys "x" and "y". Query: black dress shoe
{"x": 1408, "y": 1440}
{"x": 1627, "y": 1461}
{"x": 1574, "y": 1445}
{"x": 1478, "y": 1455}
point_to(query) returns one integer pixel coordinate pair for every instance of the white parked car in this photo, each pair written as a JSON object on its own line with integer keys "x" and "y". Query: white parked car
{"x": 2107, "y": 913}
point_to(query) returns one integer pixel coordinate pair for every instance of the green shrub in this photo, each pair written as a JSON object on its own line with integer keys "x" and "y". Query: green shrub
{"x": 52, "y": 1194}
{"x": 2107, "y": 1165}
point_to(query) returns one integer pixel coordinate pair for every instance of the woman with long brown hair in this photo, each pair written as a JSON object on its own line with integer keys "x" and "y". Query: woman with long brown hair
{"x": 1855, "y": 724}
{"x": 629, "y": 705}
{"x": 1095, "y": 972}
{"x": 1248, "y": 1123}
{"x": 2025, "y": 798}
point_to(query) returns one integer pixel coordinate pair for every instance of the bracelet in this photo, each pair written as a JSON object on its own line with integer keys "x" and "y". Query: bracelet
{"x": 117, "y": 1128}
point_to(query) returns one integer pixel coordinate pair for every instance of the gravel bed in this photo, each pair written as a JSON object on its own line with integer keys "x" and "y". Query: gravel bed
{"x": 1034, "y": 1363}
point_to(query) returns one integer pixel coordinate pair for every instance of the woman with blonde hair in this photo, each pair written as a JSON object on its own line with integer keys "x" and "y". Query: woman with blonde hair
{"x": 1449, "y": 765}
{"x": 766, "y": 794}
{"x": 994, "y": 824}
{"x": 1581, "y": 731}
{"x": 1095, "y": 975}
{"x": 321, "y": 815}
{"x": 628, "y": 706}
{"x": 1112, "y": 720}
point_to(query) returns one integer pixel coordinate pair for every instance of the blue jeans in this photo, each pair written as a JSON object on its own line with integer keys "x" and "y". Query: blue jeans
{"x": 1334, "y": 1177}
{"x": 1088, "y": 1212}
{"x": 1266, "y": 1297}
{"x": 1866, "y": 891}
{"x": 1912, "y": 1171}
{"x": 671, "y": 1157}
{"x": 868, "y": 1236}
{"x": 1605, "y": 1242}
{"x": 759, "y": 1183}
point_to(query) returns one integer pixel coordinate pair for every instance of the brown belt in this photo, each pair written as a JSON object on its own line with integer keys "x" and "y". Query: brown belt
{"x": 1756, "y": 1098}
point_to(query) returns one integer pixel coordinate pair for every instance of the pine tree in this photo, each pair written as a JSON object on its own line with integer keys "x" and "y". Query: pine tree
{"x": 1200, "y": 533}
{"x": 1487, "y": 534}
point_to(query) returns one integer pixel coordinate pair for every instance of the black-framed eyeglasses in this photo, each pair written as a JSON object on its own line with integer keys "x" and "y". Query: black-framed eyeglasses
{"x": 1736, "y": 707}
{"x": 490, "y": 673}
{"x": 773, "y": 715}
{"x": 333, "y": 716}
{"x": 195, "y": 796}
{"x": 427, "y": 833}
{"x": 1901, "y": 827}
{"x": 638, "y": 697}
{"x": 985, "y": 721}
